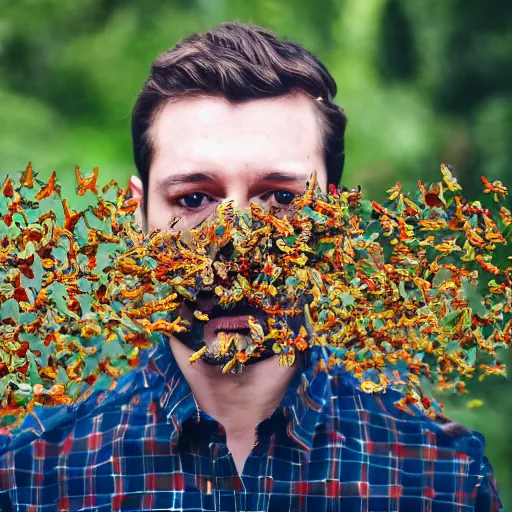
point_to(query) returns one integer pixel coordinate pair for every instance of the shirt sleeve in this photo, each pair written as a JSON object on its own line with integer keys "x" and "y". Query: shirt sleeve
{"x": 487, "y": 498}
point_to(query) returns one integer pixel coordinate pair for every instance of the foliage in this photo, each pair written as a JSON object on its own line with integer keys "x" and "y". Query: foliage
{"x": 396, "y": 292}
{"x": 58, "y": 332}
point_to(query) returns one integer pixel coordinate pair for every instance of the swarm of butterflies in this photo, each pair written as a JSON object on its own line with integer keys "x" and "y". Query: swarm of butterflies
{"x": 415, "y": 290}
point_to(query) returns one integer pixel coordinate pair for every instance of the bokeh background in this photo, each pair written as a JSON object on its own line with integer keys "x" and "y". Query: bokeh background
{"x": 421, "y": 83}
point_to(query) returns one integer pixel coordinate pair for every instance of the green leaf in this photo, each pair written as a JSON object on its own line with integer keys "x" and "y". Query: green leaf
{"x": 10, "y": 309}
{"x": 471, "y": 356}
{"x": 315, "y": 216}
{"x": 366, "y": 209}
{"x": 60, "y": 254}
{"x": 35, "y": 342}
{"x": 27, "y": 317}
{"x": 102, "y": 382}
{"x": 4, "y": 209}
{"x": 74, "y": 388}
{"x": 81, "y": 233}
{"x": 17, "y": 218}
{"x": 292, "y": 282}
{"x": 346, "y": 298}
{"x": 91, "y": 366}
{"x": 84, "y": 285}
{"x": 450, "y": 318}
{"x": 403, "y": 292}
{"x": 85, "y": 302}
{"x": 113, "y": 350}
{"x": 104, "y": 256}
{"x": 442, "y": 276}
{"x": 59, "y": 294}
{"x": 452, "y": 347}
{"x": 378, "y": 325}
{"x": 474, "y": 298}
{"x": 111, "y": 194}
{"x": 13, "y": 231}
{"x": 32, "y": 370}
{"x": 324, "y": 248}
{"x": 98, "y": 224}
{"x": 62, "y": 376}
{"x": 52, "y": 204}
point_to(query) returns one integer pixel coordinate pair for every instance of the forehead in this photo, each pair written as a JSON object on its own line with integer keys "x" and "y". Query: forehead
{"x": 206, "y": 132}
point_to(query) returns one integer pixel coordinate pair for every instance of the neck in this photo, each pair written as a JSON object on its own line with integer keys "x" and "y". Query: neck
{"x": 238, "y": 401}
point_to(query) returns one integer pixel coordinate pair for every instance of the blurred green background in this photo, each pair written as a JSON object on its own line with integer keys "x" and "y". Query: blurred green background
{"x": 421, "y": 83}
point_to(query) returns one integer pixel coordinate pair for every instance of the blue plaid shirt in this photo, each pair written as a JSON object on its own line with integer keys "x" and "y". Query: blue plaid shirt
{"x": 327, "y": 448}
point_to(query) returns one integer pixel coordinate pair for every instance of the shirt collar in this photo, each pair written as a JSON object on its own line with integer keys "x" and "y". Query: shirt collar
{"x": 305, "y": 403}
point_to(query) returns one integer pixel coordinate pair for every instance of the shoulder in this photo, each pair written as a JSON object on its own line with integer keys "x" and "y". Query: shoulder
{"x": 129, "y": 401}
{"x": 381, "y": 420}
{"x": 383, "y": 434}
{"x": 64, "y": 440}
{"x": 53, "y": 424}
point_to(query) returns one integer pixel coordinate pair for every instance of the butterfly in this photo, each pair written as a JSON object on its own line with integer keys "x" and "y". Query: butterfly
{"x": 85, "y": 183}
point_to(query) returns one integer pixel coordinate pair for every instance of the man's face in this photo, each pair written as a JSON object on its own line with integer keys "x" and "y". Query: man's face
{"x": 208, "y": 151}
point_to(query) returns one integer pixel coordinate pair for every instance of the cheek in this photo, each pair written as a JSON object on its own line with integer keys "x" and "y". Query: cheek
{"x": 161, "y": 213}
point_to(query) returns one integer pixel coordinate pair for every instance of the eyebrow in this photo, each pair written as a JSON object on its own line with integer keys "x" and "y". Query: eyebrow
{"x": 282, "y": 176}
{"x": 194, "y": 177}
{"x": 199, "y": 176}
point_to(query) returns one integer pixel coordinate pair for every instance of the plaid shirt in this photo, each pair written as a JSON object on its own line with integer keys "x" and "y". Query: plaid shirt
{"x": 327, "y": 448}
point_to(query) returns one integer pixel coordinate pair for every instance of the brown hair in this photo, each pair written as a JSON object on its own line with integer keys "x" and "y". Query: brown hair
{"x": 239, "y": 62}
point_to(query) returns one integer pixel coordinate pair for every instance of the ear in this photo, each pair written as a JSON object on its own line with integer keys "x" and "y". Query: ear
{"x": 136, "y": 189}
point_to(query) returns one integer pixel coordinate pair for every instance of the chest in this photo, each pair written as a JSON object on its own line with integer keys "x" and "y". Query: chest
{"x": 149, "y": 467}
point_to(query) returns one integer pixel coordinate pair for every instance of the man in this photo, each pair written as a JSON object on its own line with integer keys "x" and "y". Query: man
{"x": 236, "y": 113}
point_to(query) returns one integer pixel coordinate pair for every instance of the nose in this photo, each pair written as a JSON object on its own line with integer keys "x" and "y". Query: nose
{"x": 239, "y": 197}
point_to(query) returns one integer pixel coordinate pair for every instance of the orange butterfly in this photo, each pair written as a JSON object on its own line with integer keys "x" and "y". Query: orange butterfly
{"x": 85, "y": 183}
{"x": 27, "y": 178}
{"x": 433, "y": 197}
{"x": 7, "y": 189}
{"x": 49, "y": 188}
{"x": 71, "y": 217}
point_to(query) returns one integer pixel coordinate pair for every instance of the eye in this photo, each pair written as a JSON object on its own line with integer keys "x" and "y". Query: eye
{"x": 194, "y": 200}
{"x": 283, "y": 197}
